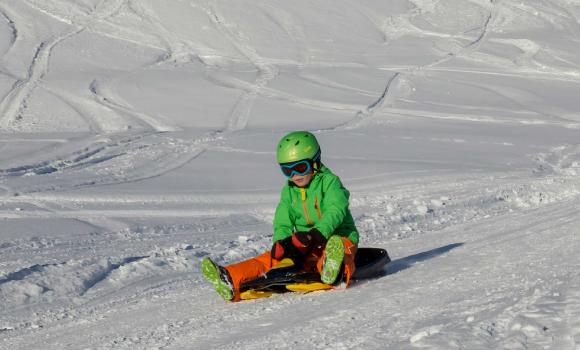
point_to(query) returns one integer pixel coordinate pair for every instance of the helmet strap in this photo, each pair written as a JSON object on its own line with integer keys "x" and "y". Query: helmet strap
{"x": 316, "y": 164}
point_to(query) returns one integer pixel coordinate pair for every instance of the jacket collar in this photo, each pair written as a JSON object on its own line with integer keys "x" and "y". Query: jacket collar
{"x": 323, "y": 170}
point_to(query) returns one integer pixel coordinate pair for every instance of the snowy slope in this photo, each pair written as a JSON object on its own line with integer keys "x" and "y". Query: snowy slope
{"x": 137, "y": 137}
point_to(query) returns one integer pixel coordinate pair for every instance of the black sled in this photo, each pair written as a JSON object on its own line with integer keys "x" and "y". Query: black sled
{"x": 286, "y": 277}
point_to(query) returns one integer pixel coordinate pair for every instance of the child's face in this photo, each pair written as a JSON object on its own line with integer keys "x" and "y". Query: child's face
{"x": 302, "y": 180}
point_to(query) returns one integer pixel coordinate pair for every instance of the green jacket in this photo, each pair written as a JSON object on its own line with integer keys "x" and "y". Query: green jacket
{"x": 323, "y": 205}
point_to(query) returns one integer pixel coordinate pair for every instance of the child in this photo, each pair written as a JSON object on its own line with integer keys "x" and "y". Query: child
{"x": 313, "y": 225}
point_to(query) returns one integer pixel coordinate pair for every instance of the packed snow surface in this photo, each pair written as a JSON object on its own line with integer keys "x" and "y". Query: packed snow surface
{"x": 138, "y": 136}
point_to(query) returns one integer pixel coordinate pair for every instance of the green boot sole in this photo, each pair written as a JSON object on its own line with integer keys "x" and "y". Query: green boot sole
{"x": 333, "y": 256}
{"x": 212, "y": 274}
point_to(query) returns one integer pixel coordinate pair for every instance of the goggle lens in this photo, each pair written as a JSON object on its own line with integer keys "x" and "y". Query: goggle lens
{"x": 299, "y": 168}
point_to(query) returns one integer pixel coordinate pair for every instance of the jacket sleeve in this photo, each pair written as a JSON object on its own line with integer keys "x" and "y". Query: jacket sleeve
{"x": 335, "y": 206}
{"x": 283, "y": 218}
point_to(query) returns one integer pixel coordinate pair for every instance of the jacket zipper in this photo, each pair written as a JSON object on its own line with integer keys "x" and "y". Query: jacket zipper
{"x": 317, "y": 208}
{"x": 303, "y": 193}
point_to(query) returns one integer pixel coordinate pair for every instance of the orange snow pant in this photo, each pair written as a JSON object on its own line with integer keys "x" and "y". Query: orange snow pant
{"x": 250, "y": 269}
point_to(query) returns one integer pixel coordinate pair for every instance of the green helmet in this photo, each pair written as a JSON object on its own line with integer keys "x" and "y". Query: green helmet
{"x": 297, "y": 145}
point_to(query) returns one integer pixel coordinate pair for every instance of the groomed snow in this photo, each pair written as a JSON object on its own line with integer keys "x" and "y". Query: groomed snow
{"x": 137, "y": 137}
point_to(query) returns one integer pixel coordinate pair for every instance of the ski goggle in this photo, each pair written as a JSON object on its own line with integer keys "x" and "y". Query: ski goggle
{"x": 301, "y": 167}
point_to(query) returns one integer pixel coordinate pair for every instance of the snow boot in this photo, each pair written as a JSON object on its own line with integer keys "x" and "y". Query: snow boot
{"x": 333, "y": 256}
{"x": 218, "y": 277}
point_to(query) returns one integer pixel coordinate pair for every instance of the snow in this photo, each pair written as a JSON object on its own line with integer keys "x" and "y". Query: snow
{"x": 137, "y": 137}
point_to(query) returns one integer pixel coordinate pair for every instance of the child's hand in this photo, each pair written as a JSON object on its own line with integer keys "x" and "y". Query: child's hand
{"x": 298, "y": 245}
{"x": 285, "y": 249}
{"x": 307, "y": 241}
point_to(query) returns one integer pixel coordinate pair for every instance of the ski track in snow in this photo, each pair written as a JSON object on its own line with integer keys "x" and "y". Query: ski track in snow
{"x": 173, "y": 46}
{"x": 14, "y": 103}
{"x": 13, "y": 30}
{"x": 150, "y": 123}
{"x": 237, "y": 120}
{"x": 404, "y": 77}
{"x": 266, "y": 72}
{"x": 111, "y": 160}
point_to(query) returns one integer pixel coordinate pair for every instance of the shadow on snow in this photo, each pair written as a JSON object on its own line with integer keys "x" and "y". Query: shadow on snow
{"x": 401, "y": 264}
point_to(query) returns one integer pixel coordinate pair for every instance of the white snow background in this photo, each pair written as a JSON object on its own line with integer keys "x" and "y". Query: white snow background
{"x": 138, "y": 136}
